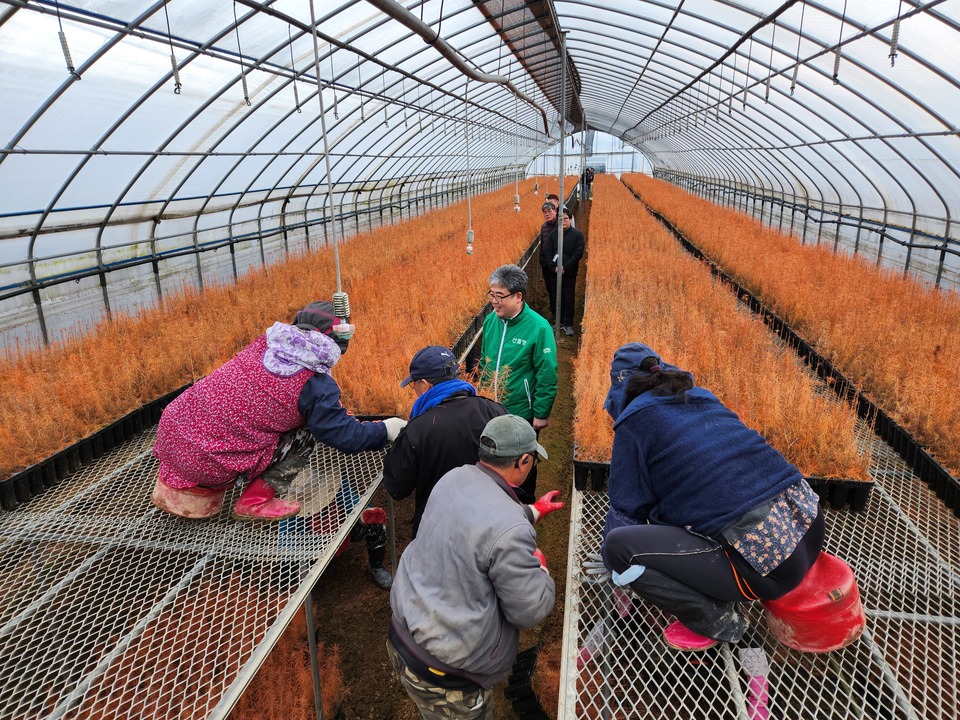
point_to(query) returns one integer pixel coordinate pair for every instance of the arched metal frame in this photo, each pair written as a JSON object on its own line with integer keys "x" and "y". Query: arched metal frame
{"x": 697, "y": 87}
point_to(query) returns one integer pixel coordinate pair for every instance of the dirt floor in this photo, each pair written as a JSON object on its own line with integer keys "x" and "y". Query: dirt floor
{"x": 352, "y": 612}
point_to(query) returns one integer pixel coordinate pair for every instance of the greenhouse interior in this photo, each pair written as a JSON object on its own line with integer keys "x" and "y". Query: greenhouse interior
{"x": 767, "y": 194}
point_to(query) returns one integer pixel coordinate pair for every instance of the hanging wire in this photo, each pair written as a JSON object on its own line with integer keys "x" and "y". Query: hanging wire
{"x": 796, "y": 61}
{"x": 326, "y": 149}
{"x": 67, "y": 58}
{"x": 173, "y": 58}
{"x": 336, "y": 110}
{"x": 359, "y": 85}
{"x": 895, "y": 38}
{"x": 516, "y": 158}
{"x": 720, "y": 91}
{"x": 836, "y": 59}
{"x": 293, "y": 67}
{"x": 773, "y": 40}
{"x": 733, "y": 84}
{"x": 500, "y": 58}
{"x": 420, "y": 110}
{"x": 746, "y": 80}
{"x": 243, "y": 74}
{"x": 440, "y": 21}
{"x": 466, "y": 127}
{"x": 383, "y": 87}
{"x": 403, "y": 92}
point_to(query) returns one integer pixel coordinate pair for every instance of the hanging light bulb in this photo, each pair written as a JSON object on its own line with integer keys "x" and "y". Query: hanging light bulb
{"x": 536, "y": 188}
{"x": 469, "y": 242}
{"x": 516, "y": 203}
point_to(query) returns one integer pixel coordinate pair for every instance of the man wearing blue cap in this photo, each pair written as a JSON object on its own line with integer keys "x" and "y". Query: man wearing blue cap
{"x": 444, "y": 429}
{"x": 471, "y": 579}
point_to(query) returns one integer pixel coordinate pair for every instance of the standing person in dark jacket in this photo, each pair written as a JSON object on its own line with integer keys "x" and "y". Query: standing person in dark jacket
{"x": 573, "y": 247}
{"x": 549, "y": 211}
{"x": 704, "y": 514}
{"x": 444, "y": 429}
{"x": 257, "y": 418}
{"x": 443, "y": 433}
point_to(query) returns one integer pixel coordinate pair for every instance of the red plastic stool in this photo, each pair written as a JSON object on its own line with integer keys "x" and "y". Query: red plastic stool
{"x": 823, "y": 613}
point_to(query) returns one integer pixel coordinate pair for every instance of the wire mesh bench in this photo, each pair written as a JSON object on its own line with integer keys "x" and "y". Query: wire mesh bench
{"x": 113, "y": 609}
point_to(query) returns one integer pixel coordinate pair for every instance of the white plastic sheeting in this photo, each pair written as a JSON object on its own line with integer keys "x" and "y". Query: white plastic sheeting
{"x": 187, "y": 122}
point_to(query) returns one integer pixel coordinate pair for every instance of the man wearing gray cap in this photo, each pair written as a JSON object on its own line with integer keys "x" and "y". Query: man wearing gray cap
{"x": 471, "y": 579}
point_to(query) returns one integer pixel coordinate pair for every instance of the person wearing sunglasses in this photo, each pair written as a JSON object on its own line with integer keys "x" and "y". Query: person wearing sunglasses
{"x": 518, "y": 356}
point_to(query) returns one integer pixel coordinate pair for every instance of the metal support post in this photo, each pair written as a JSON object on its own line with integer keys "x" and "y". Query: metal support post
{"x": 314, "y": 659}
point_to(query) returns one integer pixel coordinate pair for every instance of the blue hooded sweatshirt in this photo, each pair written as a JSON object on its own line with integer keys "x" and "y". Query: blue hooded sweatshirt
{"x": 685, "y": 460}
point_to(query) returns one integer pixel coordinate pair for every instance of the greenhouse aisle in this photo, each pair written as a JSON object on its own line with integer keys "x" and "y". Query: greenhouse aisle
{"x": 353, "y": 613}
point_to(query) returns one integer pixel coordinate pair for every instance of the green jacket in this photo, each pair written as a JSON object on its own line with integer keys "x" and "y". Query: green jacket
{"x": 524, "y": 347}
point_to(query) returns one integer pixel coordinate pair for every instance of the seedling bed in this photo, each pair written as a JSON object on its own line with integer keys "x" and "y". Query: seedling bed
{"x": 920, "y": 461}
{"x": 32, "y": 481}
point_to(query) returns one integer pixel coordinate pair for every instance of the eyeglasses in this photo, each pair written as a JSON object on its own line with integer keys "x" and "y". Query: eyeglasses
{"x": 535, "y": 459}
{"x": 499, "y": 297}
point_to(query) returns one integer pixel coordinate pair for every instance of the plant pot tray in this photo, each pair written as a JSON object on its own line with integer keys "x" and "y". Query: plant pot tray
{"x": 837, "y": 493}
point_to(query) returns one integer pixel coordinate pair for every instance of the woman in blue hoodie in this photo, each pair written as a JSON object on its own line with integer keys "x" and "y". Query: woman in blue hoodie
{"x": 704, "y": 513}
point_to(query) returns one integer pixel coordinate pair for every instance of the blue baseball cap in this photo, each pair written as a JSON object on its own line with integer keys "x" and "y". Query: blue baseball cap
{"x": 433, "y": 362}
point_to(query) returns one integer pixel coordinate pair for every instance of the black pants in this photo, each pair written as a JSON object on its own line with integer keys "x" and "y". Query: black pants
{"x": 567, "y": 292}
{"x": 550, "y": 280}
{"x": 698, "y": 580}
{"x": 291, "y": 456}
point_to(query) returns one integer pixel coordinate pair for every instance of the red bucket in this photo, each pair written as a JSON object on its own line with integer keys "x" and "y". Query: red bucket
{"x": 823, "y": 613}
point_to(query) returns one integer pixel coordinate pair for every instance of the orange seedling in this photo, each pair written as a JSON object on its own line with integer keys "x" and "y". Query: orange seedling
{"x": 649, "y": 290}
{"x": 410, "y": 284}
{"x": 895, "y": 338}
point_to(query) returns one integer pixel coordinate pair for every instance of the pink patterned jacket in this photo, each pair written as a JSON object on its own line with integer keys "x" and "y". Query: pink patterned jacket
{"x": 229, "y": 422}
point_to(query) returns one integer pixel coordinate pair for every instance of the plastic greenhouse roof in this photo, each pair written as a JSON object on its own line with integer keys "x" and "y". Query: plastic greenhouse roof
{"x": 119, "y": 115}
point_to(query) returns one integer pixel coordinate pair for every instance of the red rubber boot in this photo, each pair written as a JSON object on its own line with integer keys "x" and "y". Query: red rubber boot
{"x": 260, "y": 502}
{"x": 680, "y": 637}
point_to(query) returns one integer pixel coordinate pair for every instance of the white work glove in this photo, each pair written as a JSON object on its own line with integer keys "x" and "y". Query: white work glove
{"x": 594, "y": 570}
{"x": 394, "y": 426}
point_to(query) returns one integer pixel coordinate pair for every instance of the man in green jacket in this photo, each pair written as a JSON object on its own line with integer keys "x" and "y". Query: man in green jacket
{"x": 518, "y": 357}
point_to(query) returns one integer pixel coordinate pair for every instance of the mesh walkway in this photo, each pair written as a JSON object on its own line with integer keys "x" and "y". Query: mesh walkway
{"x": 113, "y": 609}
{"x": 905, "y": 551}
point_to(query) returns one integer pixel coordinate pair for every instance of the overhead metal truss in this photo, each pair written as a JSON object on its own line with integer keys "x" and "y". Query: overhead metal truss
{"x": 120, "y": 117}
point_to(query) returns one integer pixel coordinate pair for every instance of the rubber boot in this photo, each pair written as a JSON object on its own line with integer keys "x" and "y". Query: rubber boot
{"x": 375, "y": 535}
{"x": 680, "y": 637}
{"x": 194, "y": 503}
{"x": 260, "y": 502}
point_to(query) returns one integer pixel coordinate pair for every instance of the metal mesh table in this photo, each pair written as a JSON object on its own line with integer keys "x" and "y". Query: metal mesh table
{"x": 905, "y": 551}
{"x": 113, "y": 609}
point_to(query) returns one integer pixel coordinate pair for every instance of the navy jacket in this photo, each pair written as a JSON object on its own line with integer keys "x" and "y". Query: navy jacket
{"x": 689, "y": 461}
{"x": 331, "y": 424}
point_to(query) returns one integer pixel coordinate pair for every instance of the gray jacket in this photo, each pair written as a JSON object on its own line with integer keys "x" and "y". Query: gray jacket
{"x": 469, "y": 581}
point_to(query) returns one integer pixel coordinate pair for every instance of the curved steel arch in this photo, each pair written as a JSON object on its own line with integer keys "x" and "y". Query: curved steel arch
{"x": 856, "y": 191}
